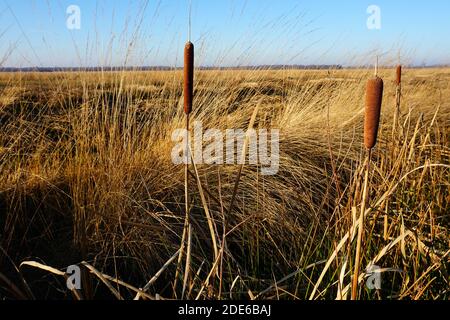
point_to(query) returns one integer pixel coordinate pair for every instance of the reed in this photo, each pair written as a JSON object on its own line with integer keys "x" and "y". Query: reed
{"x": 188, "y": 94}
{"x": 188, "y": 98}
{"x": 398, "y": 95}
{"x": 188, "y": 77}
{"x": 398, "y": 78}
{"x": 374, "y": 97}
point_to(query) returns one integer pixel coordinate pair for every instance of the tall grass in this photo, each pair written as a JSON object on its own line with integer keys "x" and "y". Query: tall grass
{"x": 85, "y": 158}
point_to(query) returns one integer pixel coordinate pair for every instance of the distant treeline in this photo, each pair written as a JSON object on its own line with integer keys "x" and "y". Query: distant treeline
{"x": 165, "y": 68}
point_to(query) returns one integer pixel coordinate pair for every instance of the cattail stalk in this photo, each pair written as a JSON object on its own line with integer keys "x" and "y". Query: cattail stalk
{"x": 360, "y": 228}
{"x": 374, "y": 97}
{"x": 188, "y": 93}
{"x": 188, "y": 98}
{"x": 398, "y": 95}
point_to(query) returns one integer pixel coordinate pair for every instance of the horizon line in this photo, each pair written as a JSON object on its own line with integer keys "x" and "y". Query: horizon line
{"x": 206, "y": 68}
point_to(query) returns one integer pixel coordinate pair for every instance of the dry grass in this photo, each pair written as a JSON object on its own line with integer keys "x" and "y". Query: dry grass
{"x": 86, "y": 174}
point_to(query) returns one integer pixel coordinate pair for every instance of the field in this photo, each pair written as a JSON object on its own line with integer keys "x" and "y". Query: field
{"x": 86, "y": 175}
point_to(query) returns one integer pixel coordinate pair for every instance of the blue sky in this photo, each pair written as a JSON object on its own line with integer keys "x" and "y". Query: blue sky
{"x": 225, "y": 32}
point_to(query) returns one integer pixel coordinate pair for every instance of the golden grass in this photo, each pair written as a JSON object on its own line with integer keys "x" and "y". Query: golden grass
{"x": 85, "y": 166}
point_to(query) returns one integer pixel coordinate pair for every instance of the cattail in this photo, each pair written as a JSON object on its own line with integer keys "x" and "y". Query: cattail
{"x": 188, "y": 77}
{"x": 188, "y": 97}
{"x": 374, "y": 97}
{"x": 398, "y": 79}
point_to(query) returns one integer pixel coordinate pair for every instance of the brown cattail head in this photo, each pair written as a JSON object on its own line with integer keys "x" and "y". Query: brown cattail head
{"x": 188, "y": 77}
{"x": 398, "y": 79}
{"x": 374, "y": 98}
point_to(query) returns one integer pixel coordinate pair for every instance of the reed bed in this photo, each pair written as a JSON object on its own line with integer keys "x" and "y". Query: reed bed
{"x": 85, "y": 166}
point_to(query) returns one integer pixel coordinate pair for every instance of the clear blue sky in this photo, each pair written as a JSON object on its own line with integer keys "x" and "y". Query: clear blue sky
{"x": 225, "y": 32}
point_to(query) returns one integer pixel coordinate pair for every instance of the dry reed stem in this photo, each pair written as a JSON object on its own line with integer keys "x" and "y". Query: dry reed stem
{"x": 99, "y": 275}
{"x": 55, "y": 271}
{"x": 22, "y": 279}
{"x": 208, "y": 215}
{"x": 157, "y": 275}
{"x": 361, "y": 228}
{"x": 383, "y": 252}
{"x": 243, "y": 154}
{"x": 188, "y": 261}
{"x": 12, "y": 288}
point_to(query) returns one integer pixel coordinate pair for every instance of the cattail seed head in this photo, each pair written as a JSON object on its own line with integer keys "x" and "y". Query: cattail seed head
{"x": 374, "y": 98}
{"x": 398, "y": 79}
{"x": 188, "y": 77}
